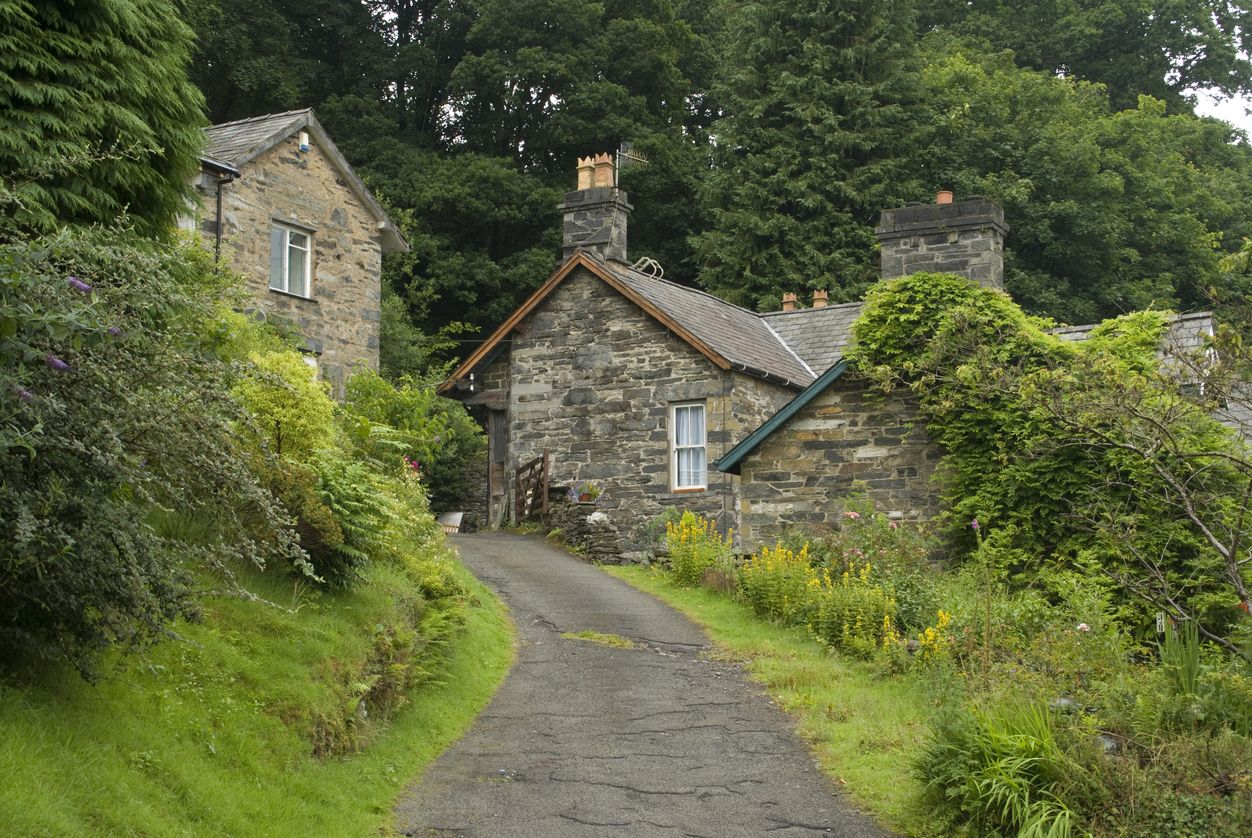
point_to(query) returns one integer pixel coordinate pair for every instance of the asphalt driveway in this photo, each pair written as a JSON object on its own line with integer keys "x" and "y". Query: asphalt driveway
{"x": 585, "y": 739}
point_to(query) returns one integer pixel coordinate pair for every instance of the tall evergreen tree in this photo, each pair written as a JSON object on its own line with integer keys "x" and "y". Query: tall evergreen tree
{"x": 99, "y": 118}
{"x": 813, "y": 99}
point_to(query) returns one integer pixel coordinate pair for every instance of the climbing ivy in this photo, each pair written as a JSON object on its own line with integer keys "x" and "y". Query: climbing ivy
{"x": 1081, "y": 453}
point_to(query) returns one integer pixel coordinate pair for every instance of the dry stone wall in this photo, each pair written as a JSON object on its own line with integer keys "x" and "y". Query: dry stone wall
{"x": 847, "y": 439}
{"x": 303, "y": 189}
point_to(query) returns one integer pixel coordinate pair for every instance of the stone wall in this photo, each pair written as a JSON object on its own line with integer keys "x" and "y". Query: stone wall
{"x": 303, "y": 189}
{"x": 591, "y": 379}
{"x": 847, "y": 439}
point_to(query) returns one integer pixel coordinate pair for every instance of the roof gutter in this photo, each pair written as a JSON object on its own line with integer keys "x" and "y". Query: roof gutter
{"x": 768, "y": 376}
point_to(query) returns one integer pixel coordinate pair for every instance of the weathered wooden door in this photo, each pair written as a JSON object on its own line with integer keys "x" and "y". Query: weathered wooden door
{"x": 497, "y": 475}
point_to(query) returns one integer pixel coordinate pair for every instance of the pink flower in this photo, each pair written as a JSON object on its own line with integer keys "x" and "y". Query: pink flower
{"x": 894, "y": 525}
{"x": 975, "y": 525}
{"x": 852, "y": 515}
{"x": 1083, "y": 627}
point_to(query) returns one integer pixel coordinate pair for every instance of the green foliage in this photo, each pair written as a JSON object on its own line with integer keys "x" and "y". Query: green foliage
{"x": 134, "y": 419}
{"x": 292, "y": 412}
{"x": 1085, "y": 453}
{"x": 809, "y": 147}
{"x": 1110, "y": 210}
{"x": 358, "y": 502}
{"x": 99, "y": 119}
{"x": 695, "y": 546}
{"x": 1164, "y": 48}
{"x": 435, "y": 432}
{"x": 1001, "y": 771}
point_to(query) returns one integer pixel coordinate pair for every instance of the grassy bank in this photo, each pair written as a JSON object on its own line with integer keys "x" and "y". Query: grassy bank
{"x": 864, "y": 730}
{"x": 253, "y": 724}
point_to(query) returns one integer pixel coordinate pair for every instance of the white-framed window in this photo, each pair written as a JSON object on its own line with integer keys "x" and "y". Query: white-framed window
{"x": 688, "y": 448}
{"x": 291, "y": 260}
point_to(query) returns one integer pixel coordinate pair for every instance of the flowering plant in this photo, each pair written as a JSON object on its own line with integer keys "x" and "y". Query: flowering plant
{"x": 586, "y": 491}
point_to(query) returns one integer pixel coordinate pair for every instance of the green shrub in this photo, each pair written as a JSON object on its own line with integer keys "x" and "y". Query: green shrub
{"x": 435, "y": 432}
{"x": 852, "y": 612}
{"x": 291, "y": 411}
{"x": 134, "y": 417}
{"x": 695, "y": 546}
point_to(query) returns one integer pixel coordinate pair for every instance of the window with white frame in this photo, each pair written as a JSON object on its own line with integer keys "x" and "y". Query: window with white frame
{"x": 688, "y": 451}
{"x": 291, "y": 257}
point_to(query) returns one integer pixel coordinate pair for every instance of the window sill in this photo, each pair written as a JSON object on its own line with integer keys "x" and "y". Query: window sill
{"x": 689, "y": 490}
{"x": 282, "y": 293}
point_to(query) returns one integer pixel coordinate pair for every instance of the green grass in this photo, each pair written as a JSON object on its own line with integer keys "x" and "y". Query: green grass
{"x": 212, "y": 734}
{"x": 864, "y": 729}
{"x": 614, "y": 640}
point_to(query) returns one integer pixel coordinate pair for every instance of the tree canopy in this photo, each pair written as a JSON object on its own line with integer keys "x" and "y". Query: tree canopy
{"x": 774, "y": 133}
{"x": 99, "y": 117}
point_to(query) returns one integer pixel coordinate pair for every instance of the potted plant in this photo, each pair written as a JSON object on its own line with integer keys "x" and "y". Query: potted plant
{"x": 586, "y": 492}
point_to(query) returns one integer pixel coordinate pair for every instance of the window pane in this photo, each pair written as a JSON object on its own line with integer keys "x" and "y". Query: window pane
{"x": 295, "y": 269}
{"x": 278, "y": 245}
{"x": 299, "y": 240}
{"x": 697, "y": 467}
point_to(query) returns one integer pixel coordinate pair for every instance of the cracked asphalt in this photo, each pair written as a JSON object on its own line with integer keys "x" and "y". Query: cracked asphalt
{"x": 585, "y": 739}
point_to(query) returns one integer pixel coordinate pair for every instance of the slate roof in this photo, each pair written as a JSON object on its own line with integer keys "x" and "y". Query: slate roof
{"x": 240, "y": 141}
{"x": 237, "y": 143}
{"x": 740, "y": 336}
{"x": 1186, "y": 333}
{"x": 818, "y": 335}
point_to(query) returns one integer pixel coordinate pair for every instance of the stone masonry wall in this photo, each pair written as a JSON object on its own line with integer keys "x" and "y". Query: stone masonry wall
{"x": 965, "y": 238}
{"x": 591, "y": 380}
{"x": 846, "y": 439}
{"x": 303, "y": 189}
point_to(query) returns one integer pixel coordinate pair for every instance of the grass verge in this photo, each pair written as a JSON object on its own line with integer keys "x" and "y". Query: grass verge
{"x": 213, "y": 734}
{"x": 863, "y": 729}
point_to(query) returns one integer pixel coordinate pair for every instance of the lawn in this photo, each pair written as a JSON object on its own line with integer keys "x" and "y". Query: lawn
{"x": 215, "y": 733}
{"x": 863, "y": 728}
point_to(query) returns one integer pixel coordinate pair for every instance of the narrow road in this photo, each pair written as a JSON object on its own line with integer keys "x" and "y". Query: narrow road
{"x": 585, "y": 739}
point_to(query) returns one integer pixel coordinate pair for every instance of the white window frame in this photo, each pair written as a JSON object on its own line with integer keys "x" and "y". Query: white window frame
{"x": 674, "y": 446}
{"x": 285, "y": 288}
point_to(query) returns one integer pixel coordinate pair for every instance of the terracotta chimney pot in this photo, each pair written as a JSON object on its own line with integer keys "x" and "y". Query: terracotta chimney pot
{"x": 943, "y": 196}
{"x": 789, "y": 302}
{"x": 604, "y": 170}
{"x": 586, "y": 172}
{"x": 820, "y": 298}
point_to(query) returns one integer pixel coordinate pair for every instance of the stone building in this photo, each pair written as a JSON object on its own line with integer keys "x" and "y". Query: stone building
{"x": 669, "y": 397}
{"x": 285, "y": 209}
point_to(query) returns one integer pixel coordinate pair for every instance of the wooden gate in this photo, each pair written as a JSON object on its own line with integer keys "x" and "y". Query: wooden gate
{"x": 530, "y": 487}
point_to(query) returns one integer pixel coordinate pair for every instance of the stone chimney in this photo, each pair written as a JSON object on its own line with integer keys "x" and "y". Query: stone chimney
{"x": 961, "y": 237}
{"x": 820, "y": 298}
{"x": 789, "y": 302}
{"x": 596, "y": 213}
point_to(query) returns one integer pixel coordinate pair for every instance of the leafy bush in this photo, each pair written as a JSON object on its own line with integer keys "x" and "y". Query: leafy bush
{"x": 433, "y": 431}
{"x": 1084, "y": 451}
{"x": 853, "y": 613}
{"x": 361, "y": 507}
{"x": 291, "y": 411}
{"x": 695, "y": 546}
{"x": 114, "y": 408}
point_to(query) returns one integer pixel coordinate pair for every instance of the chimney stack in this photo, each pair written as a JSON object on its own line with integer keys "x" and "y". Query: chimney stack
{"x": 961, "y": 237}
{"x": 789, "y": 302}
{"x": 596, "y": 213}
{"x": 820, "y": 298}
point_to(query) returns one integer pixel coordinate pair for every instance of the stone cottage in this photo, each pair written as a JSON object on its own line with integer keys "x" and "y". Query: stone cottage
{"x": 284, "y": 208}
{"x": 669, "y": 397}
{"x": 645, "y": 386}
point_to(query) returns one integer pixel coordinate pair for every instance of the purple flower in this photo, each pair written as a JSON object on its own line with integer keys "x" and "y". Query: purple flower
{"x": 56, "y": 364}
{"x": 24, "y": 394}
{"x": 975, "y": 525}
{"x": 78, "y": 285}
{"x": 114, "y": 332}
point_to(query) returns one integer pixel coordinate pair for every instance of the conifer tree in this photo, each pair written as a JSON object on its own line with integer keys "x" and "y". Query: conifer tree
{"x": 98, "y": 116}
{"x": 812, "y": 96}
